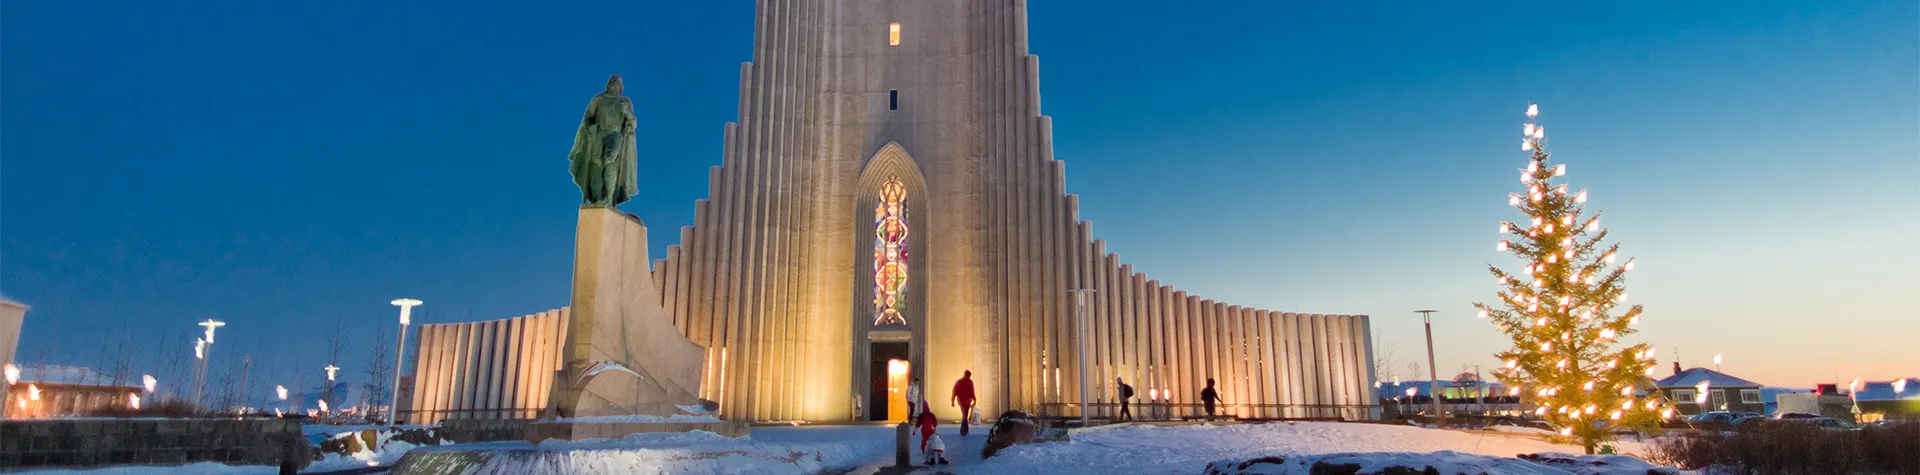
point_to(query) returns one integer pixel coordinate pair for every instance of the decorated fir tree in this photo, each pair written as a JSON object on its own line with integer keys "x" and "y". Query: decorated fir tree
{"x": 1567, "y": 360}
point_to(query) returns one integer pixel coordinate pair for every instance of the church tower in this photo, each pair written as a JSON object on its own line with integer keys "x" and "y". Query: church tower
{"x": 888, "y": 207}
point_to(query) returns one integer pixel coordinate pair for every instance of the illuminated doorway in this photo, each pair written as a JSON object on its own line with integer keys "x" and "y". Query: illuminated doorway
{"x": 890, "y": 373}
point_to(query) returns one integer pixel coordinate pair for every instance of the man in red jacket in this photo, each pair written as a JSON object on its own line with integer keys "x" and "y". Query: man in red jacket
{"x": 963, "y": 396}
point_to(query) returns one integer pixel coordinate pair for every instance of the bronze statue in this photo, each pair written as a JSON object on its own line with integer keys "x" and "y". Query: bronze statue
{"x": 603, "y": 157}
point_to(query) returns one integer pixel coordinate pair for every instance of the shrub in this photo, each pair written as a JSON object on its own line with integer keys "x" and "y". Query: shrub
{"x": 1787, "y": 447}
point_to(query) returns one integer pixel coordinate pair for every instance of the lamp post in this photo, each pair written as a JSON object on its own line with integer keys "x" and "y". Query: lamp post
{"x": 330, "y": 369}
{"x": 399, "y": 349}
{"x": 1433, "y": 375}
{"x": 1080, "y": 348}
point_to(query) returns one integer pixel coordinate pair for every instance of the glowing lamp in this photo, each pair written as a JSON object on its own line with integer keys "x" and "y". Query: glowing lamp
{"x": 1626, "y": 391}
{"x": 133, "y": 401}
{"x": 1533, "y": 110}
{"x": 1607, "y": 333}
{"x": 1609, "y": 257}
{"x": 1547, "y": 348}
{"x": 323, "y": 406}
{"x": 1506, "y": 228}
{"x": 200, "y": 349}
{"x": 1539, "y": 132}
{"x": 13, "y": 374}
{"x": 1629, "y": 266}
{"x": 1502, "y": 247}
{"x": 1566, "y": 431}
{"x": 282, "y": 391}
{"x": 149, "y": 382}
{"x": 1562, "y": 189}
{"x": 1526, "y": 145}
{"x": 33, "y": 392}
{"x": 1616, "y": 415}
{"x": 1513, "y": 363}
{"x": 1560, "y": 170}
{"x": 1483, "y": 314}
{"x": 1549, "y": 229}
{"x": 1587, "y": 387}
{"x": 1412, "y": 391}
{"x": 330, "y": 369}
{"x": 1580, "y": 198}
{"x": 1526, "y": 130}
{"x": 1513, "y": 200}
{"x": 1532, "y": 166}
{"x": 1540, "y": 412}
{"x": 1716, "y": 359}
{"x": 1900, "y": 385}
{"x": 896, "y": 367}
{"x": 1666, "y": 414}
{"x": 1513, "y": 392}
{"x": 406, "y": 309}
{"x": 211, "y": 324}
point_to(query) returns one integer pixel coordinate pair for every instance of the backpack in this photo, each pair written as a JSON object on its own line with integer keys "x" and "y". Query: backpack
{"x": 1126, "y": 391}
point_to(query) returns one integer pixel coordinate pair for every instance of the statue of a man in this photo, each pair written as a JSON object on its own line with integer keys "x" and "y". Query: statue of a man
{"x": 603, "y": 157}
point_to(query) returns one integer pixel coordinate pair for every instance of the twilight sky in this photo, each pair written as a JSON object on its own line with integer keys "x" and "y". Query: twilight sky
{"x": 285, "y": 166}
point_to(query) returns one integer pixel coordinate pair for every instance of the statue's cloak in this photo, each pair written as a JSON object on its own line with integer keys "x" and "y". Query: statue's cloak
{"x": 605, "y": 178}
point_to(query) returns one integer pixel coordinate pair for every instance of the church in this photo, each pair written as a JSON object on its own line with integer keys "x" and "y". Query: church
{"x": 888, "y": 207}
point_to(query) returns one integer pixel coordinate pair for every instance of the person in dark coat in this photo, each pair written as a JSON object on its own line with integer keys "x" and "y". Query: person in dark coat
{"x": 1126, "y": 393}
{"x": 963, "y": 396}
{"x": 1210, "y": 397}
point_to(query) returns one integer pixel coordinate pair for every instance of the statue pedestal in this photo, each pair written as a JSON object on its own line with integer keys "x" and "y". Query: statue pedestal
{"x": 622, "y": 353}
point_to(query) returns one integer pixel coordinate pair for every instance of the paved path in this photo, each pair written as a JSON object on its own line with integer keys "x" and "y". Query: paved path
{"x": 961, "y": 451}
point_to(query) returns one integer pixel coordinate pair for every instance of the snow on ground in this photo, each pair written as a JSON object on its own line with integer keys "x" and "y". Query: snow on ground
{"x": 868, "y": 449}
{"x": 1442, "y": 462}
{"x": 194, "y": 469}
{"x": 806, "y": 449}
{"x": 1188, "y": 449}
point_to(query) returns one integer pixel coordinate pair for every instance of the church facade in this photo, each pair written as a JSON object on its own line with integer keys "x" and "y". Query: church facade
{"x": 888, "y": 207}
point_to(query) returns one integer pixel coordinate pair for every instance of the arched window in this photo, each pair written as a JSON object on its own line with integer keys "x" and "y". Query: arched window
{"x": 890, "y": 254}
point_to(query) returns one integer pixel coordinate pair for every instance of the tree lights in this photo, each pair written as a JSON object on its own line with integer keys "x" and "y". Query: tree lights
{"x": 1573, "y": 273}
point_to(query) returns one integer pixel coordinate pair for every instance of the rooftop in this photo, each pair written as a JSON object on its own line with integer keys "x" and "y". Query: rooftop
{"x": 1695, "y": 376}
{"x": 72, "y": 375}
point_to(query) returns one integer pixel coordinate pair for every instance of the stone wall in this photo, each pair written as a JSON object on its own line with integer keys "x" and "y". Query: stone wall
{"x": 98, "y": 442}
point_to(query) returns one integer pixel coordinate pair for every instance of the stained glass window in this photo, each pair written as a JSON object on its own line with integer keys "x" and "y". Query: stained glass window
{"x": 890, "y": 254}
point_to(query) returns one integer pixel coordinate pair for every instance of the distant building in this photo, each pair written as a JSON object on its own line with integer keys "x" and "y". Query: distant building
{"x": 12, "y": 314}
{"x": 1889, "y": 400}
{"x": 59, "y": 390}
{"x": 1724, "y": 392}
{"x": 1838, "y": 406}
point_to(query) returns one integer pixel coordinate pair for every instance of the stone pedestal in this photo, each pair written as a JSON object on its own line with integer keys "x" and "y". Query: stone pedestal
{"x": 582, "y": 430}
{"x": 623, "y": 356}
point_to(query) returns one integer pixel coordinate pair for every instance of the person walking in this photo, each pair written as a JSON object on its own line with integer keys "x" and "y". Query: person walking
{"x": 963, "y": 396}
{"x": 916, "y": 400}
{"x": 1210, "y": 397}
{"x": 1126, "y": 394}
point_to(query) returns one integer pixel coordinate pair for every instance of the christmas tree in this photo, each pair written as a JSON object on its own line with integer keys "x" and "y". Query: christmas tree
{"x": 1560, "y": 310}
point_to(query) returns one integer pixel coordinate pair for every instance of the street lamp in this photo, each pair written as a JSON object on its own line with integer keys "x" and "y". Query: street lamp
{"x": 329, "y": 392}
{"x": 1433, "y": 374}
{"x": 399, "y": 350}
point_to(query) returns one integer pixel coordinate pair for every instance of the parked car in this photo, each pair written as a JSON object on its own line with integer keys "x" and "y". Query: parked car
{"x": 1795, "y": 415}
{"x": 1721, "y": 418}
{"x": 1827, "y": 423}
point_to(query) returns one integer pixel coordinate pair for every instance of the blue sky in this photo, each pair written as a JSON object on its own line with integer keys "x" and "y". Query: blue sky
{"x": 285, "y": 166}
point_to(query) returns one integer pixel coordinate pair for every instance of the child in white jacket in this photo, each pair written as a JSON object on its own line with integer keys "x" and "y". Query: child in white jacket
{"x": 936, "y": 451}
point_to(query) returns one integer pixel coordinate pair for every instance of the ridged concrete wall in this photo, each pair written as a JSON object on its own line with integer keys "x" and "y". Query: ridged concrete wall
{"x": 498, "y": 369}
{"x": 770, "y": 276}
